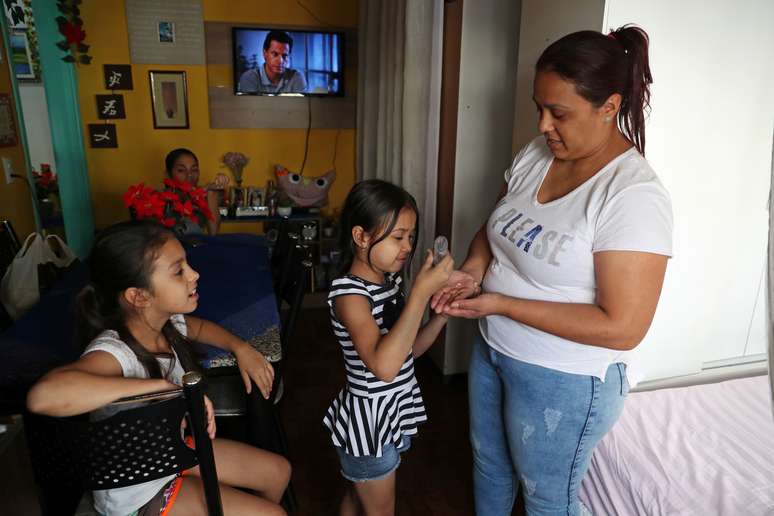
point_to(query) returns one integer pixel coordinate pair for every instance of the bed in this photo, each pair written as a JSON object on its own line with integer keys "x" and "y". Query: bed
{"x": 703, "y": 450}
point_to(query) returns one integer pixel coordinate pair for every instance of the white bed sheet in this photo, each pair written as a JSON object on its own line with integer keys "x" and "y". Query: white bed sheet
{"x": 699, "y": 450}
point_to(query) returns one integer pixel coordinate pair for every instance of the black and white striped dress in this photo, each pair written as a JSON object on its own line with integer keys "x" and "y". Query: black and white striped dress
{"x": 369, "y": 413}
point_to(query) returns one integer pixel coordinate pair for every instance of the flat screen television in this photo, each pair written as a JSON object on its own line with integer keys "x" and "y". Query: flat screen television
{"x": 270, "y": 61}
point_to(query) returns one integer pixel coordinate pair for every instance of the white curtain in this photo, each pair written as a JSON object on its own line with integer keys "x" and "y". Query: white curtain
{"x": 399, "y": 95}
{"x": 770, "y": 283}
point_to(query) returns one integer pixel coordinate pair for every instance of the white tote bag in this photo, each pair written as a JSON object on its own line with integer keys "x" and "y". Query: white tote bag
{"x": 20, "y": 286}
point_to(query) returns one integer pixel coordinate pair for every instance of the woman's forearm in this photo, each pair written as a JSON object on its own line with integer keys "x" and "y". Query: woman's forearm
{"x": 212, "y": 204}
{"x": 578, "y": 322}
{"x": 479, "y": 255}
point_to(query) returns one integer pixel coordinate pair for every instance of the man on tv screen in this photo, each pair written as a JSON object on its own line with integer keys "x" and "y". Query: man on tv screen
{"x": 274, "y": 75}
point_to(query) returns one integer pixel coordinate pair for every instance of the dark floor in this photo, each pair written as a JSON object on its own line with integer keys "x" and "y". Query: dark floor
{"x": 435, "y": 475}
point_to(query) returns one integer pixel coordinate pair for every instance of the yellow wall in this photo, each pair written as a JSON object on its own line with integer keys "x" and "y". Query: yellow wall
{"x": 141, "y": 149}
{"x": 15, "y": 199}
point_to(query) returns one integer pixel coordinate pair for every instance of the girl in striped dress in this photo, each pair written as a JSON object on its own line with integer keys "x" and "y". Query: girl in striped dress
{"x": 373, "y": 418}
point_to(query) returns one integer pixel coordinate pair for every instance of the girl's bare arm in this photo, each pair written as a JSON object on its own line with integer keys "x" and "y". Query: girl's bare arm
{"x": 94, "y": 381}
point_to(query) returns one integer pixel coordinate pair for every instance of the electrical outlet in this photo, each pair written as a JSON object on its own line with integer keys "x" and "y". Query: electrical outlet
{"x": 8, "y": 169}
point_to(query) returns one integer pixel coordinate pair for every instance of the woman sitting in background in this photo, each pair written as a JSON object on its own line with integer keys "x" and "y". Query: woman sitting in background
{"x": 183, "y": 165}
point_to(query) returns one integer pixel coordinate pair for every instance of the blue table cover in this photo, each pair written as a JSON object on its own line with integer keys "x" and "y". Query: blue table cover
{"x": 235, "y": 291}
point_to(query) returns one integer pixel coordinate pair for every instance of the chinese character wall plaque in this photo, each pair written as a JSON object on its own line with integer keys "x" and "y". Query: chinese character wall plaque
{"x": 103, "y": 136}
{"x": 118, "y": 77}
{"x": 110, "y": 107}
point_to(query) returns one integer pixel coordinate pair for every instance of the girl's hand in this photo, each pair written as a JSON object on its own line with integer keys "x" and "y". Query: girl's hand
{"x": 432, "y": 278}
{"x": 477, "y": 307}
{"x": 210, "y": 411}
{"x": 461, "y": 285}
{"x": 220, "y": 182}
{"x": 254, "y": 367}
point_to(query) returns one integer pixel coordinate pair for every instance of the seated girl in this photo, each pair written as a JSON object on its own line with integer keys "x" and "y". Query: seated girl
{"x": 131, "y": 320}
{"x": 183, "y": 165}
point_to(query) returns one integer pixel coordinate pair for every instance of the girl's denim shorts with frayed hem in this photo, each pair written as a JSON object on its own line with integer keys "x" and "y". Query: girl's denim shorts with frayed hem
{"x": 370, "y": 467}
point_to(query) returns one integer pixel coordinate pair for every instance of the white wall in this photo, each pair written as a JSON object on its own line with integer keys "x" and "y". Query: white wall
{"x": 709, "y": 138}
{"x": 543, "y": 22}
{"x": 484, "y": 126}
{"x": 36, "y": 123}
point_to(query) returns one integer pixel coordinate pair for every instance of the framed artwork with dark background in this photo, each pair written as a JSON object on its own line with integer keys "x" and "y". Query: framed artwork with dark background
{"x": 169, "y": 98}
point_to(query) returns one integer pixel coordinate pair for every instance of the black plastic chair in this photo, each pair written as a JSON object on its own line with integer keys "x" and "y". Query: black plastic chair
{"x": 226, "y": 388}
{"x": 130, "y": 447}
{"x": 283, "y": 272}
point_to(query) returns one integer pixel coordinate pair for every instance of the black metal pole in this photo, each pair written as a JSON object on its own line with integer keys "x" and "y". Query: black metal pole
{"x": 194, "y": 396}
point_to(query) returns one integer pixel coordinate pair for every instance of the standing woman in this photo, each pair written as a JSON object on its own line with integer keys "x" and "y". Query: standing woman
{"x": 572, "y": 261}
{"x": 183, "y": 165}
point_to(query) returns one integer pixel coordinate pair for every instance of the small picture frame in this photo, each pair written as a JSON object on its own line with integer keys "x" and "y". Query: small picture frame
{"x": 254, "y": 196}
{"x": 103, "y": 136}
{"x": 21, "y": 56}
{"x": 110, "y": 107}
{"x": 169, "y": 99}
{"x": 15, "y": 15}
{"x": 166, "y": 31}
{"x": 8, "y": 136}
{"x": 118, "y": 77}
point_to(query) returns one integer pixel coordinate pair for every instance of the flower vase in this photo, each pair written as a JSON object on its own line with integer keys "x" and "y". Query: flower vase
{"x": 238, "y": 196}
{"x": 46, "y": 208}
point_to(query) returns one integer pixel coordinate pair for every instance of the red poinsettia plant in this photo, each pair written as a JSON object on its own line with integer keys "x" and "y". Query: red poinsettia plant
{"x": 177, "y": 203}
{"x": 45, "y": 181}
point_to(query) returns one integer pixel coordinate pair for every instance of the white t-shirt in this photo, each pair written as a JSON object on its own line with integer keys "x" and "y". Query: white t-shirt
{"x": 545, "y": 251}
{"x": 125, "y": 500}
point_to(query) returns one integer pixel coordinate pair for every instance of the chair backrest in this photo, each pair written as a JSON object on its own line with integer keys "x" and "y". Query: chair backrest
{"x": 292, "y": 292}
{"x": 284, "y": 269}
{"x": 280, "y": 245}
{"x": 130, "y": 447}
{"x": 293, "y": 295}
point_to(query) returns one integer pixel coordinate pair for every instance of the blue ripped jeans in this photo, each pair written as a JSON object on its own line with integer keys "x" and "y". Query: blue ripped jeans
{"x": 535, "y": 428}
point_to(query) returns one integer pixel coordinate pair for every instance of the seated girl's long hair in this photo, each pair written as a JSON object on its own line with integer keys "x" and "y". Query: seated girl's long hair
{"x": 122, "y": 258}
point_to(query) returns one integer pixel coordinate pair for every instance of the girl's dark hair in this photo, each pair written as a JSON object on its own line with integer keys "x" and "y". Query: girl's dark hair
{"x": 173, "y": 155}
{"x": 600, "y": 65}
{"x": 123, "y": 257}
{"x": 373, "y": 205}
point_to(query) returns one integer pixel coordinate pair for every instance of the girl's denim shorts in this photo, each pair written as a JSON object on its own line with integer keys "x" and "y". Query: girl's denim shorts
{"x": 369, "y": 467}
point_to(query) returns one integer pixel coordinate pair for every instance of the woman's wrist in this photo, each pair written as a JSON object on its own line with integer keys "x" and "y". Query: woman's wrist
{"x": 476, "y": 271}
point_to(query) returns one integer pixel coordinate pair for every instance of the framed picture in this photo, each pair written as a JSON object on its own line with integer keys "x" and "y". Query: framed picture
{"x": 169, "y": 99}
{"x": 117, "y": 77}
{"x": 21, "y": 57}
{"x": 7, "y": 125}
{"x": 166, "y": 32}
{"x": 14, "y": 13}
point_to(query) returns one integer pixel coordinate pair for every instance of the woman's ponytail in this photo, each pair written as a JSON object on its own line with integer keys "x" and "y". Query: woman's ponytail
{"x": 635, "y": 104}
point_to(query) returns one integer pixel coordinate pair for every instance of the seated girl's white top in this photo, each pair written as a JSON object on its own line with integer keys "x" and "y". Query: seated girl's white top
{"x": 545, "y": 251}
{"x": 125, "y": 500}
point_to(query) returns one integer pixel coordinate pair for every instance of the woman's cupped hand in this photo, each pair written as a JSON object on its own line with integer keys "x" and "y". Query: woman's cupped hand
{"x": 460, "y": 285}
